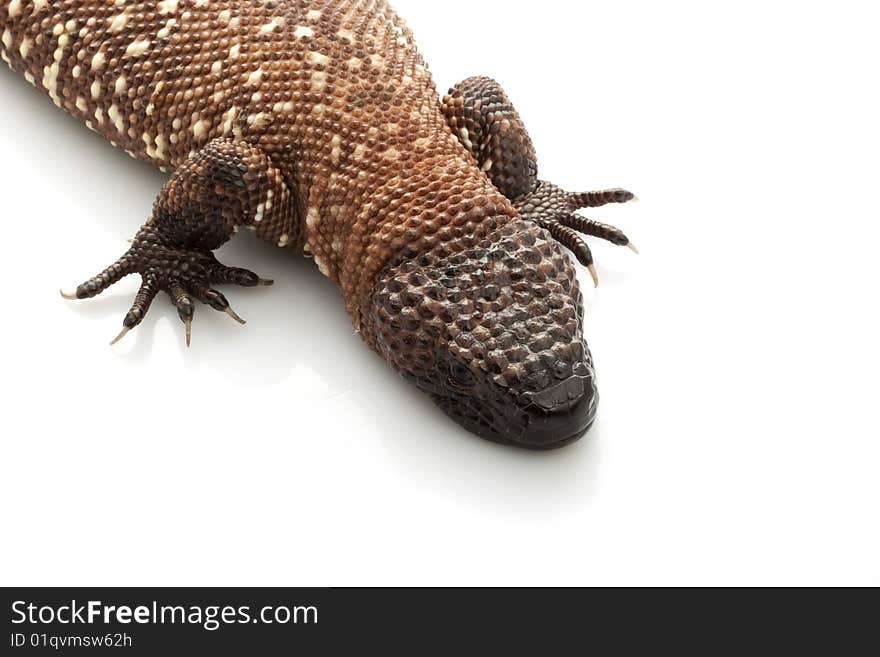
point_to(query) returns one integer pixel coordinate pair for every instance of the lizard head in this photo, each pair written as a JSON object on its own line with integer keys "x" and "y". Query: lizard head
{"x": 491, "y": 329}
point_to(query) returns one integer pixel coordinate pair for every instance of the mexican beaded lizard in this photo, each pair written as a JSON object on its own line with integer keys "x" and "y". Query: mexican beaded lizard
{"x": 317, "y": 125}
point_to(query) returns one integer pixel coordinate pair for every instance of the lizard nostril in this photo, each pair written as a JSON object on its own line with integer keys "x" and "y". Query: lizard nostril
{"x": 561, "y": 370}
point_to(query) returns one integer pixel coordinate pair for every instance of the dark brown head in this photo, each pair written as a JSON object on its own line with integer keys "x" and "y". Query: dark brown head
{"x": 492, "y": 331}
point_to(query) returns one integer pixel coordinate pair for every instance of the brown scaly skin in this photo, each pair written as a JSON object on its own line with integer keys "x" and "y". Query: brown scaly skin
{"x": 485, "y": 121}
{"x": 316, "y": 125}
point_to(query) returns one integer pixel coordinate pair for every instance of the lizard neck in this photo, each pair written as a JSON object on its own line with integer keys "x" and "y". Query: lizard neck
{"x": 443, "y": 204}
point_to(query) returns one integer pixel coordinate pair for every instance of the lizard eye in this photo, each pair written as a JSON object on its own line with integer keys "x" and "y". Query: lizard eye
{"x": 461, "y": 375}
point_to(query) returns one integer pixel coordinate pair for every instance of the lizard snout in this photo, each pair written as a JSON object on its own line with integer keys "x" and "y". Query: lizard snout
{"x": 560, "y": 414}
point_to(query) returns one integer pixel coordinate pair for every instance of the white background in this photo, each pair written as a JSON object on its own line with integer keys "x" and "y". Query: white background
{"x": 738, "y": 435}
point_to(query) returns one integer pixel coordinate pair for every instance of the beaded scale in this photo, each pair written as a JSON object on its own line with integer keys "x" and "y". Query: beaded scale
{"x": 317, "y": 126}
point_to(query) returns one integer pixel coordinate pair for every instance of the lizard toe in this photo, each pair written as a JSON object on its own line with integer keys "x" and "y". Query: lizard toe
{"x": 186, "y": 276}
{"x": 554, "y": 210}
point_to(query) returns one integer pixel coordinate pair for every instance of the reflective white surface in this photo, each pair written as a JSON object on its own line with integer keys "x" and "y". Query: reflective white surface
{"x": 737, "y": 441}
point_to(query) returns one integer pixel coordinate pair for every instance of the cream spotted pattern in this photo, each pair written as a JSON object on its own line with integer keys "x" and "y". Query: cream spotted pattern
{"x": 334, "y": 93}
{"x": 317, "y": 125}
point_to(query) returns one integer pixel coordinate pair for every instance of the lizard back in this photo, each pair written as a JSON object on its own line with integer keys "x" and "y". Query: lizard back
{"x": 334, "y": 92}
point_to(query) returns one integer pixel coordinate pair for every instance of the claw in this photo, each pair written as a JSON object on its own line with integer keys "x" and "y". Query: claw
{"x": 187, "y": 278}
{"x": 121, "y": 335}
{"x": 229, "y": 311}
{"x": 185, "y": 309}
{"x": 556, "y": 211}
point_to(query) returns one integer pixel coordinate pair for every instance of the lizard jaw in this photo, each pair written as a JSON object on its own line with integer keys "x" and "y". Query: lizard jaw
{"x": 533, "y": 424}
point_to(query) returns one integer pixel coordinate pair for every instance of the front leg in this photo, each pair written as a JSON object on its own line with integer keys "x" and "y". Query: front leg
{"x": 486, "y": 123}
{"x": 225, "y": 185}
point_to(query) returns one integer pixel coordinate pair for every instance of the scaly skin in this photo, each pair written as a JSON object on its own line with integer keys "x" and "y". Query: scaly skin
{"x": 317, "y": 125}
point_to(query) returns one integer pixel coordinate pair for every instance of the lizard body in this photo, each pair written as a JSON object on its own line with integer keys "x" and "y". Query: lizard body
{"x": 317, "y": 125}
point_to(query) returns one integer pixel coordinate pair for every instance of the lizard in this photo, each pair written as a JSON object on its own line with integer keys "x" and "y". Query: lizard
{"x": 317, "y": 125}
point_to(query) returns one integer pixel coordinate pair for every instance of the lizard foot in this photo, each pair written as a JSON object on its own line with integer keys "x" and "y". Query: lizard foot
{"x": 555, "y": 210}
{"x": 185, "y": 275}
